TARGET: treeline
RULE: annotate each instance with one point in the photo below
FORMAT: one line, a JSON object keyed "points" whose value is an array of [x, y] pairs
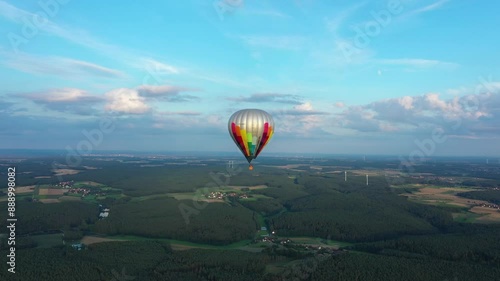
{"points": [[360, 266], [214, 223], [266, 207], [468, 243], [152, 260], [356, 213], [140, 261], [135, 180], [105, 261], [492, 196], [39, 217]]}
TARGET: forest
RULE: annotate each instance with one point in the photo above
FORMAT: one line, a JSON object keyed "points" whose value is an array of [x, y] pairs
{"points": [[383, 235]]}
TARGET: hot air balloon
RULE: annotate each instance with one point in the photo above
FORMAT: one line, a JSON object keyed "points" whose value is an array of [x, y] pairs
{"points": [[251, 130]]}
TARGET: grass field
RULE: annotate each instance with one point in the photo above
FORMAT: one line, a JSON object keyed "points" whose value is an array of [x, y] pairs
{"points": [[319, 242], [69, 198], [49, 200], [175, 244]]}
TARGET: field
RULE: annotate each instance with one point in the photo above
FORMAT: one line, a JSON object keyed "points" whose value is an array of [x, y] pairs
{"points": [[49, 200], [175, 244], [52, 191], [88, 240], [446, 196], [152, 211], [69, 198], [65, 172], [25, 189], [319, 242], [487, 215], [89, 183]]}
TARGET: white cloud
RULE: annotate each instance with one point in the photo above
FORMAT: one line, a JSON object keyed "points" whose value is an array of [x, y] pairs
{"points": [[56, 65], [307, 106], [126, 101], [406, 102], [302, 119], [158, 90], [463, 115], [430, 7], [62, 95], [157, 67]]}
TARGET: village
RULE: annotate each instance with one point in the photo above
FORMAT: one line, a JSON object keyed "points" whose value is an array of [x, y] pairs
{"points": [[83, 191], [286, 243], [222, 195], [485, 205]]}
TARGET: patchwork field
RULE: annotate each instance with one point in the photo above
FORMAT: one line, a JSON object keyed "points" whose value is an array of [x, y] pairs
{"points": [[447, 196], [52, 191], [25, 189]]}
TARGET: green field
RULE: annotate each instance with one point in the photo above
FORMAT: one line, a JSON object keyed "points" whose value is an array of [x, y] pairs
{"points": [[174, 242]]}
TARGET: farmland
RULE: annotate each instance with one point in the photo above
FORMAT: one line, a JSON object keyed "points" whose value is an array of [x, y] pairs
{"points": [[283, 216]]}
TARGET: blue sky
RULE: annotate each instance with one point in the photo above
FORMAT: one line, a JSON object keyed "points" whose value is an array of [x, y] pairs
{"points": [[370, 77]]}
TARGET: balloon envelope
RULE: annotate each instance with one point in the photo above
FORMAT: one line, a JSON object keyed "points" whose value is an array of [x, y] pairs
{"points": [[251, 130]]}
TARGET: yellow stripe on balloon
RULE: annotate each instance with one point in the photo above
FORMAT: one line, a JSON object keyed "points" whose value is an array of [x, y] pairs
{"points": [[244, 138]]}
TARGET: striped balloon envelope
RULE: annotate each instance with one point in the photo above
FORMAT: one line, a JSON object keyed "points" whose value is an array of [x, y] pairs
{"points": [[251, 130]]}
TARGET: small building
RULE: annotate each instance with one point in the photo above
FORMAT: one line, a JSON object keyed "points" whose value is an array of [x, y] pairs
{"points": [[77, 246]]}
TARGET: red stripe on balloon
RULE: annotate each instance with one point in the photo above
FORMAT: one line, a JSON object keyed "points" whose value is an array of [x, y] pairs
{"points": [[264, 138], [237, 135]]}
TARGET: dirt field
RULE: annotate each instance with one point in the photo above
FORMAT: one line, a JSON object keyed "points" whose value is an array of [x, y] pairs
{"points": [[52, 191], [364, 172], [25, 189], [48, 201], [447, 195], [88, 240], [63, 172], [489, 214], [443, 195]]}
